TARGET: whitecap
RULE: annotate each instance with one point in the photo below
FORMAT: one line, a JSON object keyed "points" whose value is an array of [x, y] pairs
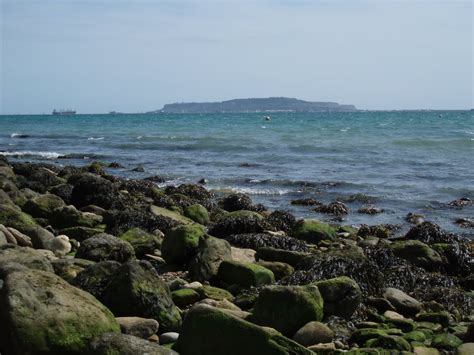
{"points": [[263, 127], [95, 138], [252, 191], [18, 135], [139, 137], [46, 155]]}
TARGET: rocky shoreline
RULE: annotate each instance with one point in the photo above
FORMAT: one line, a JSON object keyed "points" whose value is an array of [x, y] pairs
{"points": [[91, 263]]}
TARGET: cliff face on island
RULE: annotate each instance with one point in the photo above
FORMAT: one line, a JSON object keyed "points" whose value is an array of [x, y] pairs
{"points": [[271, 104]]}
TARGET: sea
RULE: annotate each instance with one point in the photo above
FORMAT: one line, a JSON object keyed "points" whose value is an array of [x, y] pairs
{"points": [[399, 161]]}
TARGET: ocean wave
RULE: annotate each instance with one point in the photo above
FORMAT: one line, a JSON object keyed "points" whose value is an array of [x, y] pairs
{"points": [[252, 191], [83, 156], [95, 138], [19, 135], [44, 155]]}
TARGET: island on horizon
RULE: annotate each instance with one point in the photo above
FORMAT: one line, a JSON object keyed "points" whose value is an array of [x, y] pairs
{"points": [[270, 104]]}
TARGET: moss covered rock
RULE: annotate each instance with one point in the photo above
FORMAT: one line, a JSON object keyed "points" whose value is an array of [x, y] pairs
{"points": [[207, 330], [180, 243], [341, 295], [288, 308], [292, 258], [141, 241], [314, 231], [446, 341], [279, 269], [136, 290], [391, 342], [41, 313], [198, 213], [360, 336], [174, 216], [95, 278], [69, 216], [244, 275], [215, 293]]}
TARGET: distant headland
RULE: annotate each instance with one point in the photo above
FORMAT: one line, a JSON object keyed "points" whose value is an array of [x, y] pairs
{"points": [[271, 104]]}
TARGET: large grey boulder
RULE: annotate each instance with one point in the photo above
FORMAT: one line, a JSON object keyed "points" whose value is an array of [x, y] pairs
{"points": [[210, 253], [104, 246]]}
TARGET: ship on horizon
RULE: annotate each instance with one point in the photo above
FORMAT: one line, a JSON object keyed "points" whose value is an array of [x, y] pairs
{"points": [[64, 112]]}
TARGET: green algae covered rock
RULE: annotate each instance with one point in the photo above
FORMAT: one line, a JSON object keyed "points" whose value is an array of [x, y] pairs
{"points": [[11, 216], [42, 205], [209, 255], [289, 257], [141, 241], [180, 243], [418, 253], [446, 341], [42, 313], [279, 269], [95, 278], [136, 290], [175, 216], [244, 275], [360, 336], [105, 247], [185, 296], [391, 342], [288, 308], [207, 330], [434, 317], [69, 216], [198, 213], [215, 293], [341, 295], [314, 231]]}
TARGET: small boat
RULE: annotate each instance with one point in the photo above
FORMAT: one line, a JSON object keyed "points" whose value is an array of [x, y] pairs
{"points": [[267, 118], [64, 112]]}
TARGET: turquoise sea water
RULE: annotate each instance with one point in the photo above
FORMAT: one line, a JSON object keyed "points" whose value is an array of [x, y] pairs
{"points": [[407, 161]]}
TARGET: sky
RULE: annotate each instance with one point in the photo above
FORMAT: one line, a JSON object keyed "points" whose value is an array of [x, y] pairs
{"points": [[98, 56]]}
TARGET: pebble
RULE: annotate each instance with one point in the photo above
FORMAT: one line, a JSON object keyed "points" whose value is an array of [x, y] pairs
{"points": [[169, 337]]}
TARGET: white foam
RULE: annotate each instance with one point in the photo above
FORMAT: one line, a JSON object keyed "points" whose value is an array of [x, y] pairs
{"points": [[13, 135], [95, 138], [251, 191], [46, 155]]}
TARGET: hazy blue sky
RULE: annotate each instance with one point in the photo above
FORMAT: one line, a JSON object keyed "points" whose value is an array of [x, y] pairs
{"points": [[103, 55]]}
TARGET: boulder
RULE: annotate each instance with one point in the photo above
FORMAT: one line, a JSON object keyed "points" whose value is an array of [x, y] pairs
{"points": [[175, 217], [465, 349], [391, 342], [90, 189], [288, 308], [136, 290], [244, 275], [105, 247], [124, 344], [198, 213], [168, 338], [446, 341], [442, 317], [292, 258], [209, 255], [243, 255], [95, 278], [418, 253], [181, 243], [185, 296], [232, 336], [18, 237], [139, 327], [81, 233], [279, 269], [313, 333], [214, 293], [341, 295], [28, 257], [69, 216], [313, 231], [403, 303], [59, 245], [42, 205], [360, 336], [238, 202], [41, 313], [141, 241], [69, 268]]}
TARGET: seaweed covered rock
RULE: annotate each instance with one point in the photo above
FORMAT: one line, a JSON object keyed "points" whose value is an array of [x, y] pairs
{"points": [[105, 247], [181, 243], [41, 313], [124, 344], [38, 177], [209, 255], [239, 202], [90, 189], [429, 233], [402, 302], [95, 278], [25, 256], [239, 222], [336, 208], [236, 336], [141, 241], [198, 213], [262, 240], [288, 308], [120, 221], [292, 258], [282, 220], [136, 290], [43, 205], [244, 275], [313, 231], [313, 333], [194, 191], [418, 253]]}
